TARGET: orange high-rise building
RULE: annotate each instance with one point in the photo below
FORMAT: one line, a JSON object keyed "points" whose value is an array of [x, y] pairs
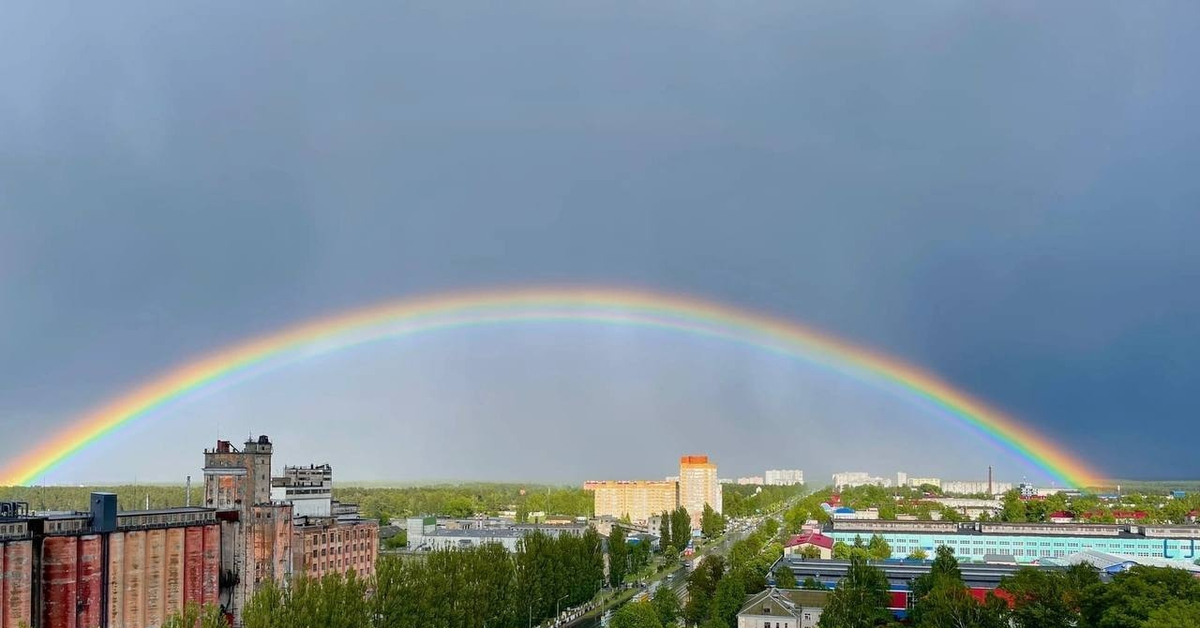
{"points": [[698, 486]]}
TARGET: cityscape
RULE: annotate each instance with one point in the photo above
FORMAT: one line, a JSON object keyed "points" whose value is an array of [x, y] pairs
{"points": [[599, 315]]}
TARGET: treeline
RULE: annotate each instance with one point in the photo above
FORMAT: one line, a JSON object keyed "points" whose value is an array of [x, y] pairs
{"points": [[465, 500], [129, 497], [453, 588], [1143, 597], [717, 587], [457, 500], [744, 500]]}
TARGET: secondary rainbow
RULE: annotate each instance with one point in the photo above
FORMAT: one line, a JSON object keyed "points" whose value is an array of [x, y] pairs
{"points": [[594, 306]]}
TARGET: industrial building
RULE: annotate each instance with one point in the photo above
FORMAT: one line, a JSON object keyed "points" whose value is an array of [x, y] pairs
{"points": [[424, 534], [105, 568], [1026, 542], [328, 537], [256, 534]]}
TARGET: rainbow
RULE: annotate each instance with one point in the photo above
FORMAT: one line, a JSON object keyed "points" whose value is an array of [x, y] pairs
{"points": [[599, 306]]}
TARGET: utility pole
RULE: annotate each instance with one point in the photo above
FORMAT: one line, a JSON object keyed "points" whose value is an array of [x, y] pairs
{"points": [[558, 613]]}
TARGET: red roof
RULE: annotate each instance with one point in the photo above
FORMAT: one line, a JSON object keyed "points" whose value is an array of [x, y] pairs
{"points": [[810, 538], [1061, 514], [834, 500]]}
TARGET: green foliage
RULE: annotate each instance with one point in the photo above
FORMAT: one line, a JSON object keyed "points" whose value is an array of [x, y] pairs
{"points": [[878, 548], [618, 556], [193, 616], [664, 533], [810, 552], [1047, 599], [812, 584], [745, 500], [1014, 507], [398, 541], [918, 554], [784, 577], [1133, 596], [702, 587], [1175, 614], [943, 600], [666, 604], [860, 599], [712, 523], [731, 593], [681, 528], [636, 615], [331, 602]]}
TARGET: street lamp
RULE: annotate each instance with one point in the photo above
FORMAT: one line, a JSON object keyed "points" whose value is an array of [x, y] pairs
{"points": [[556, 611], [531, 602]]}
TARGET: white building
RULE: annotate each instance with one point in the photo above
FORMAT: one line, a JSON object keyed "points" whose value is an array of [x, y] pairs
{"points": [[424, 534], [783, 477], [754, 480], [918, 482], [901, 478], [975, 487], [786, 608], [858, 478], [309, 489]]}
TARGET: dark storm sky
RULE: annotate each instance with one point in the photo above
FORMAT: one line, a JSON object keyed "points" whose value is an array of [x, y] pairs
{"points": [[1004, 193]]}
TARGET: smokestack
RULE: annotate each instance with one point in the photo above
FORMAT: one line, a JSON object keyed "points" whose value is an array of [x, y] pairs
{"points": [[990, 491], [188, 499]]}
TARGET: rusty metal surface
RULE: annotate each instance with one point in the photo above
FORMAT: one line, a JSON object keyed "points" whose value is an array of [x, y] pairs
{"points": [[58, 581], [210, 575], [173, 571], [16, 602], [116, 580], [133, 596], [90, 582], [155, 586]]}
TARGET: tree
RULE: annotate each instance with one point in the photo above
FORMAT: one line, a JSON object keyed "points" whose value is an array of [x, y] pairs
{"points": [[784, 577], [702, 586], [1175, 614], [666, 604], [918, 554], [878, 548], [636, 615], [1014, 507], [943, 600], [860, 599], [1133, 595], [196, 616], [1048, 599], [664, 532], [812, 584], [712, 524], [618, 556], [681, 528], [730, 594]]}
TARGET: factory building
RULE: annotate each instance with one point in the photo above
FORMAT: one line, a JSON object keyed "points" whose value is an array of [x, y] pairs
{"points": [[256, 534], [1025, 542], [104, 568], [328, 537]]}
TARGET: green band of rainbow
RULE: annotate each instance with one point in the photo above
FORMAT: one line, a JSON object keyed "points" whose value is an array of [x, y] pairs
{"points": [[604, 306]]}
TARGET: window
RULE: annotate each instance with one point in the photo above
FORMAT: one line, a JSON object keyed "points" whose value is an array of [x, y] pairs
{"points": [[766, 624], [767, 611]]}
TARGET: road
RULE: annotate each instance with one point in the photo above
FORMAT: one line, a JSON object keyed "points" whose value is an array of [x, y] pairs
{"points": [[677, 580]]}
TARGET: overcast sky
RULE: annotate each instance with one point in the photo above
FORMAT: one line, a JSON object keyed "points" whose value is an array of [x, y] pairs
{"points": [[1004, 193]]}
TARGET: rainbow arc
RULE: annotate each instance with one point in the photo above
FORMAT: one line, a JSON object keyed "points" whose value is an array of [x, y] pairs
{"points": [[408, 317]]}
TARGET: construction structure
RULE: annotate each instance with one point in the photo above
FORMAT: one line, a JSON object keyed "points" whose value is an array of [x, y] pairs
{"points": [[328, 537], [105, 568], [256, 534]]}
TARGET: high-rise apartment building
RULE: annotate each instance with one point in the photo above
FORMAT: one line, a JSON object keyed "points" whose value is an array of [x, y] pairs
{"points": [[901, 478], [698, 486], [783, 477], [637, 499], [858, 478]]}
